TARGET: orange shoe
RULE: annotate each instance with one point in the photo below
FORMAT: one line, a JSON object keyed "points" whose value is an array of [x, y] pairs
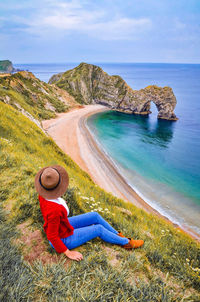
{"points": [[133, 244], [120, 234]]}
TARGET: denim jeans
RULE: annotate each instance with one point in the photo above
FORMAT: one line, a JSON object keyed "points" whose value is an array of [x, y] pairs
{"points": [[89, 226]]}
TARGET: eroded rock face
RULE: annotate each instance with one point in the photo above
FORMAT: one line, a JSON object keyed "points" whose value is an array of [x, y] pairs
{"points": [[89, 84], [163, 98]]}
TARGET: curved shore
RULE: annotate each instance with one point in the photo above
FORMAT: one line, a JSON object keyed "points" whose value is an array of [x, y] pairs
{"points": [[71, 134]]}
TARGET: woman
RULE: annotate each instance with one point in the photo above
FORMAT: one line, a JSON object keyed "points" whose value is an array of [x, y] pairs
{"points": [[66, 233]]}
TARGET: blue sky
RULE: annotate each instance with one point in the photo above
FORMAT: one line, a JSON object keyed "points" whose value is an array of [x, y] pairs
{"points": [[100, 31]]}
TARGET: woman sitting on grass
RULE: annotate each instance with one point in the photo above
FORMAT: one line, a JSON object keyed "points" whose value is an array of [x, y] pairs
{"points": [[66, 233]]}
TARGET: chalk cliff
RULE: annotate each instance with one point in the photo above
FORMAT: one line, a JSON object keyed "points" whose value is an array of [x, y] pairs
{"points": [[89, 84]]}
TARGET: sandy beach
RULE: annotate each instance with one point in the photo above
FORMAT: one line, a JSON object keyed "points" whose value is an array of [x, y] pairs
{"points": [[71, 134]]}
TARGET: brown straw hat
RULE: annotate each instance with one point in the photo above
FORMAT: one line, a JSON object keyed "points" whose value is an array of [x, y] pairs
{"points": [[51, 182]]}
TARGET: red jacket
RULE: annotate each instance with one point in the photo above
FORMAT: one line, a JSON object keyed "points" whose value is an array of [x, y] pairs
{"points": [[56, 223]]}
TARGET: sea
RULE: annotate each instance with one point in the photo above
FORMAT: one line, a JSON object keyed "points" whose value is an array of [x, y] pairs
{"points": [[160, 159]]}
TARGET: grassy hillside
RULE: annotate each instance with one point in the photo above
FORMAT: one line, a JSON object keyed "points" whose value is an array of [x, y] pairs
{"points": [[26, 93], [165, 269]]}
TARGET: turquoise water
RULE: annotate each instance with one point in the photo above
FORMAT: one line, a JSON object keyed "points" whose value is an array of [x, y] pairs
{"points": [[153, 148], [160, 162], [160, 159]]}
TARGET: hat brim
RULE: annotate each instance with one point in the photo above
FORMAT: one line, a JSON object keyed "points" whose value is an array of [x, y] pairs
{"points": [[59, 190]]}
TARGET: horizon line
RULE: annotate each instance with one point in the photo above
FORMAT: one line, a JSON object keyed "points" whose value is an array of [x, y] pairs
{"points": [[107, 62]]}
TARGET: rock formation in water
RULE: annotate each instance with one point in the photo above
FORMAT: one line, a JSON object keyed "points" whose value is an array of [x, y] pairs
{"points": [[89, 84]]}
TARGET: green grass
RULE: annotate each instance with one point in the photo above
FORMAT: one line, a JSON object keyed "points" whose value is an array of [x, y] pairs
{"points": [[31, 94], [165, 269]]}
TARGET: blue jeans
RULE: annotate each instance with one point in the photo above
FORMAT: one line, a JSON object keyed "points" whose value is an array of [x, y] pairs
{"points": [[89, 226]]}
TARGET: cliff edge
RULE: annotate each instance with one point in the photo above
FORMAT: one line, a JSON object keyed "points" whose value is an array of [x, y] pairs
{"points": [[89, 84]]}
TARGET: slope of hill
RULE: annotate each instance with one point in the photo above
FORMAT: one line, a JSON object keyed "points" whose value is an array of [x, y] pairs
{"points": [[165, 269], [33, 97]]}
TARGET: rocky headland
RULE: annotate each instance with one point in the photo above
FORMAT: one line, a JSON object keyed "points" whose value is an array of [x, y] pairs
{"points": [[89, 84], [6, 66]]}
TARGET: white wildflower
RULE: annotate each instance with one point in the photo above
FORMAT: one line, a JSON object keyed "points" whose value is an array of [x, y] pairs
{"points": [[196, 269], [84, 197], [4, 139]]}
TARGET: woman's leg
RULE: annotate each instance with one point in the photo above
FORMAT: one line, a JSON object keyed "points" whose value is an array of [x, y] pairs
{"points": [[90, 218], [84, 234]]}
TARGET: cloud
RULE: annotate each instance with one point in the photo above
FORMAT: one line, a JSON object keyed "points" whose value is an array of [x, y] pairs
{"points": [[66, 18], [121, 28]]}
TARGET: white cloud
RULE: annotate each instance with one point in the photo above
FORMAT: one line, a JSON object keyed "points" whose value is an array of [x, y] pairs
{"points": [[71, 17], [121, 28]]}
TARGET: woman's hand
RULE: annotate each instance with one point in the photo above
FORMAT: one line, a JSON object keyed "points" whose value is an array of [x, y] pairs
{"points": [[74, 255]]}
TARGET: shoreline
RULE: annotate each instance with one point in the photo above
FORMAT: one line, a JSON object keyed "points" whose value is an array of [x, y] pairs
{"points": [[71, 134]]}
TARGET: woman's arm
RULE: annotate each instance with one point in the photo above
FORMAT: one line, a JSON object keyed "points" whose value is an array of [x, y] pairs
{"points": [[52, 236]]}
